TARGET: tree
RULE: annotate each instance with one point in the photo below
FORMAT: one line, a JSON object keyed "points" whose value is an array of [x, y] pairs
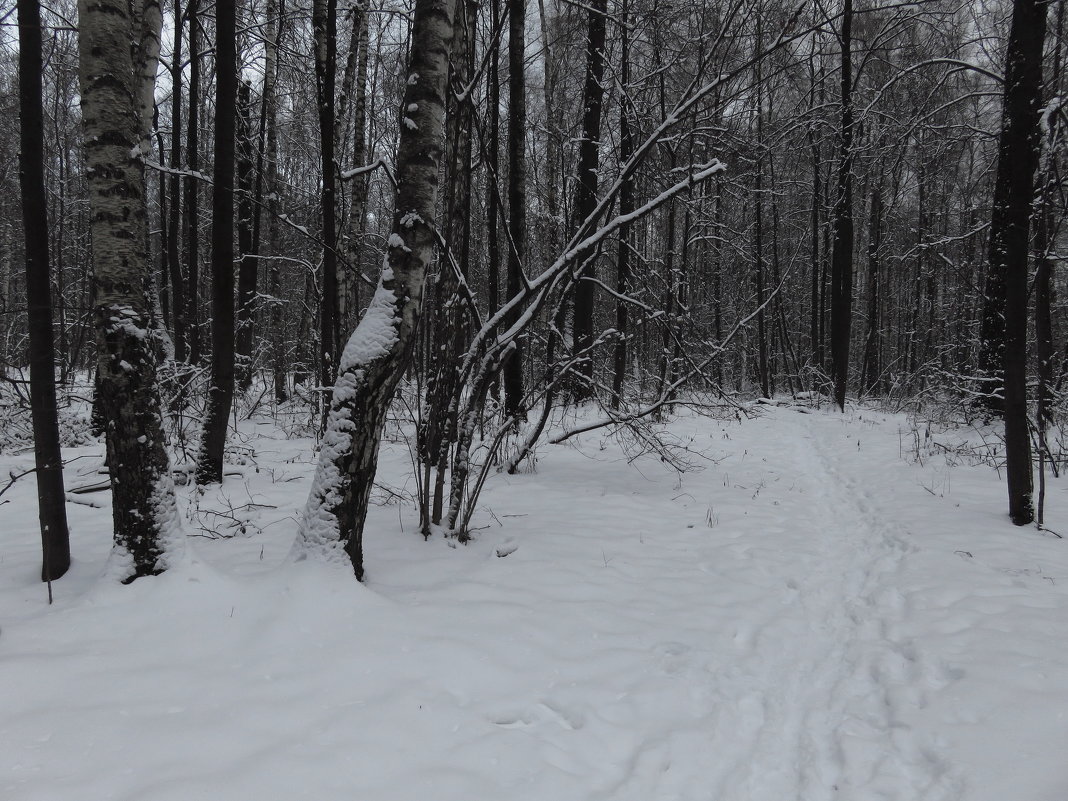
{"points": [[324, 24], [248, 261], [380, 349], [174, 237], [51, 500], [586, 187], [192, 188], [517, 194], [221, 391], [842, 249], [147, 531], [1019, 145]]}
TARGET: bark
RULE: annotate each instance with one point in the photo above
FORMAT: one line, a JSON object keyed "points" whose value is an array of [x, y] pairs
{"points": [[626, 207], [1019, 145], [586, 190], [758, 234], [493, 91], [324, 25], [349, 280], [248, 261], [174, 236], [517, 196], [273, 38], [192, 189], [48, 460], [870, 370], [450, 323], [815, 324], [380, 349], [1045, 222], [221, 391], [146, 527], [842, 248]]}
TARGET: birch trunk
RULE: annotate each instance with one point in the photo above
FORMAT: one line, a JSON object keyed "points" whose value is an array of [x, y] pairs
{"points": [[147, 532], [381, 347]]}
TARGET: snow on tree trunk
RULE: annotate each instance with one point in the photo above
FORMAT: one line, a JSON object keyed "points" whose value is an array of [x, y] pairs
{"points": [[378, 351], [147, 531]]}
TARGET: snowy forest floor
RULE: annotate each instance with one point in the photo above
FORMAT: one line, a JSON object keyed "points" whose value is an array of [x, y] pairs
{"points": [[815, 614]]}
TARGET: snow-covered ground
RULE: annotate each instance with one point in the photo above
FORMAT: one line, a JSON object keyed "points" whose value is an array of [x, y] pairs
{"points": [[810, 616]]}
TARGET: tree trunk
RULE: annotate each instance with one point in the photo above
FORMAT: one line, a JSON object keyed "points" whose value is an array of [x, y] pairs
{"points": [[324, 24], [275, 16], [586, 189], [248, 261], [493, 145], [221, 391], [48, 460], [147, 531], [192, 189], [626, 206], [842, 249], [174, 234], [870, 370], [517, 196], [349, 303], [1018, 154], [380, 349]]}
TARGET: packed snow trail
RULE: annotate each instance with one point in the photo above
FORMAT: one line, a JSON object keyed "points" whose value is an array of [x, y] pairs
{"points": [[807, 618]]}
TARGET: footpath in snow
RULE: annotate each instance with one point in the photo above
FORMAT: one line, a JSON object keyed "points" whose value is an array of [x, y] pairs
{"points": [[808, 617]]}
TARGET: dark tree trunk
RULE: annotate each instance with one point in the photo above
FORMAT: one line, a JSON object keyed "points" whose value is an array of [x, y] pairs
{"points": [[248, 264], [517, 196], [1044, 294], [493, 145], [192, 190], [586, 189], [758, 235], [350, 293], [815, 327], [48, 460], [1018, 154], [869, 373], [324, 23], [174, 233], [221, 391], [842, 251], [626, 206], [275, 18]]}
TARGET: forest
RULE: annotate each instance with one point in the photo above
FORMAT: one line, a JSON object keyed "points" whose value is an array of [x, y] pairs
{"points": [[497, 286]]}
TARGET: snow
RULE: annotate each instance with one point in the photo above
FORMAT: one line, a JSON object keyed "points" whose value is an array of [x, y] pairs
{"points": [[813, 615]]}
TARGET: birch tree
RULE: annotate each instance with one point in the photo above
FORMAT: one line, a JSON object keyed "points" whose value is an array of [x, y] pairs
{"points": [[112, 75], [377, 353]]}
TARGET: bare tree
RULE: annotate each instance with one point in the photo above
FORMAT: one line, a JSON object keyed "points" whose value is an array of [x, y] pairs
{"points": [[221, 390], [1019, 146], [842, 253], [51, 500]]}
